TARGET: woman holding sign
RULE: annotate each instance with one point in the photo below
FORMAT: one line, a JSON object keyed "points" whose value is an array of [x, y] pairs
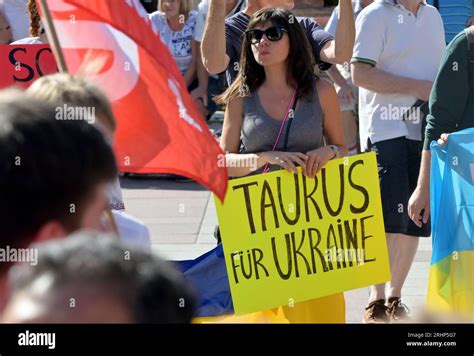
{"points": [[279, 115]]}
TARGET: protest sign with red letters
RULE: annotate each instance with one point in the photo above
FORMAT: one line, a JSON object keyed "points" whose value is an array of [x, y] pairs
{"points": [[23, 64]]}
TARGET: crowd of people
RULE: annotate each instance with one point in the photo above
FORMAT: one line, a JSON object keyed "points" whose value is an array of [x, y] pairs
{"points": [[295, 94]]}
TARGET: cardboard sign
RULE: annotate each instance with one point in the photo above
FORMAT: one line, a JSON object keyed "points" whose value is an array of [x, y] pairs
{"points": [[288, 238]]}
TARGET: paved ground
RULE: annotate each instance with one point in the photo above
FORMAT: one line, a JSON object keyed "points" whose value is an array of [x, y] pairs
{"points": [[181, 218]]}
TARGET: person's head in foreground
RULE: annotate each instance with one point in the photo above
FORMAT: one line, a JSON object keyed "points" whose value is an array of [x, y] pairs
{"points": [[93, 278], [78, 92], [274, 44], [53, 173]]}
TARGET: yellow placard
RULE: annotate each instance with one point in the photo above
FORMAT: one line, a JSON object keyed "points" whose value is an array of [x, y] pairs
{"points": [[288, 238]]}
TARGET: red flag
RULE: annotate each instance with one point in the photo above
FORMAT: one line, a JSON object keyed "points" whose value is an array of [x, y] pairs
{"points": [[159, 129]]}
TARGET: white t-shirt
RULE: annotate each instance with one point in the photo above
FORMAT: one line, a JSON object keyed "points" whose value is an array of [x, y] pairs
{"points": [[131, 230], [178, 42], [28, 40], [16, 13], [396, 41]]}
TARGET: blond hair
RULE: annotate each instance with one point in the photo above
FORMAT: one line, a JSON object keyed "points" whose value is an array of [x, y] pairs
{"points": [[184, 7], [76, 91]]}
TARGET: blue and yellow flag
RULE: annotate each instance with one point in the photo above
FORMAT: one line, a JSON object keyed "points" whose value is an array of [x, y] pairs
{"points": [[451, 283], [207, 274]]}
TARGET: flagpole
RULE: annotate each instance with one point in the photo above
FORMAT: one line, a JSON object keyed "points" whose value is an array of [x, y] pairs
{"points": [[53, 37]]}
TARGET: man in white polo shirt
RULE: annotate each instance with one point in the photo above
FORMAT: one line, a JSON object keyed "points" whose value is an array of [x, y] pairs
{"points": [[397, 52]]}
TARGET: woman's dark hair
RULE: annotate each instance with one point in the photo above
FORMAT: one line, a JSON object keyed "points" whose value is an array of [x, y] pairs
{"points": [[300, 61]]}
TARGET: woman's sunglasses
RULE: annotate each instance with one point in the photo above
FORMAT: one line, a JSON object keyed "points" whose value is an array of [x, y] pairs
{"points": [[273, 34]]}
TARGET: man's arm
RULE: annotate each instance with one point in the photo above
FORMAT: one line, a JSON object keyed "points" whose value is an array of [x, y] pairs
{"points": [[344, 90], [339, 50], [450, 92], [336, 76], [371, 78], [213, 46], [447, 104], [368, 49], [420, 199]]}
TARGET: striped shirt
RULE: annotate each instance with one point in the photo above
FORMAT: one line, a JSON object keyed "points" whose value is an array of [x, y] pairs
{"points": [[455, 15]]}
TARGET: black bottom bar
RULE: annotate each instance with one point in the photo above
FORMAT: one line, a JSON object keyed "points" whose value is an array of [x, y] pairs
{"points": [[141, 339]]}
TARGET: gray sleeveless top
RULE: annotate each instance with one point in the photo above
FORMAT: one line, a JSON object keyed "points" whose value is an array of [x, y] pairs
{"points": [[259, 130]]}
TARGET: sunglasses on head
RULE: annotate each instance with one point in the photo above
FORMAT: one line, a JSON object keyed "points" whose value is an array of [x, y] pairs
{"points": [[273, 34]]}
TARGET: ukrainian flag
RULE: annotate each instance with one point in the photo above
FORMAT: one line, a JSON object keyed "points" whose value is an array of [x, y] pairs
{"points": [[207, 275], [451, 282]]}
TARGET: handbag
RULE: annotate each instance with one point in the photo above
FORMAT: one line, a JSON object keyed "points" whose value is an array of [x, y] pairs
{"points": [[287, 119]]}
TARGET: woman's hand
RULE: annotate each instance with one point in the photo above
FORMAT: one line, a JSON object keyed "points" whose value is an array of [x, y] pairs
{"points": [[200, 99], [200, 93], [286, 160], [317, 159]]}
